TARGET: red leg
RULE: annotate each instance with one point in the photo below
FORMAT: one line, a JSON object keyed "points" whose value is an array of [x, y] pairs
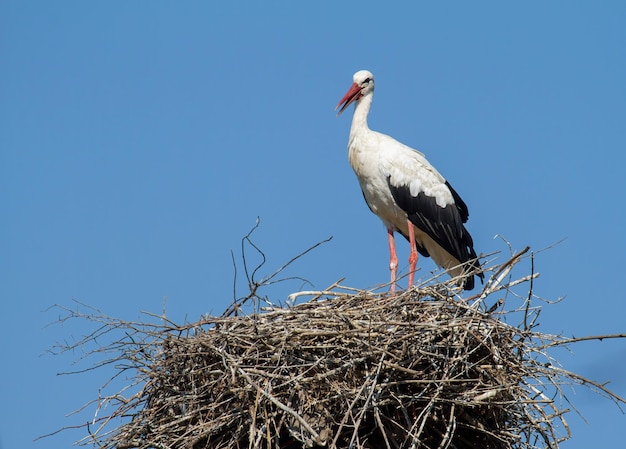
{"points": [[413, 256], [393, 259]]}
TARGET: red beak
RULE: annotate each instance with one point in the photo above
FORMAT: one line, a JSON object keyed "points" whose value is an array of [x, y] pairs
{"points": [[353, 94]]}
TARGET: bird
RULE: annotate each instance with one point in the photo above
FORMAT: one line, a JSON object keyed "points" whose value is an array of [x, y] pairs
{"points": [[408, 194]]}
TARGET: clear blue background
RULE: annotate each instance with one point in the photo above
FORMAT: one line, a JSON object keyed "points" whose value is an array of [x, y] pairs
{"points": [[140, 141]]}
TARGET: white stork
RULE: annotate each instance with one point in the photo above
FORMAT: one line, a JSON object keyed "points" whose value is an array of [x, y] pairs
{"points": [[408, 194]]}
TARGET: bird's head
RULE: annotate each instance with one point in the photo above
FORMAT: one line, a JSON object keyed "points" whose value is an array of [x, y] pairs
{"points": [[363, 84]]}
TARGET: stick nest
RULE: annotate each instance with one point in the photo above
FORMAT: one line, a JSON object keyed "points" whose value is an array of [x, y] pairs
{"points": [[418, 369], [415, 370]]}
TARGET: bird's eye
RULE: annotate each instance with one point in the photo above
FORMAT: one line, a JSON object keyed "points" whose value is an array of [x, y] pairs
{"points": [[367, 80]]}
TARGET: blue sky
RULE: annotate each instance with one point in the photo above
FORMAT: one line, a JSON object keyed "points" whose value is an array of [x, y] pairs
{"points": [[140, 141]]}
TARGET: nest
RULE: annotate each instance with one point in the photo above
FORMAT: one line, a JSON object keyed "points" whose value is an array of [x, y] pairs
{"points": [[415, 370], [418, 369]]}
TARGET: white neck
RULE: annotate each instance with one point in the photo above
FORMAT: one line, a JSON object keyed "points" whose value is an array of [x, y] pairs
{"points": [[361, 110]]}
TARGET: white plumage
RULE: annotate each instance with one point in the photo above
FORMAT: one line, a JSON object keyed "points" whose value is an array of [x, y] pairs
{"points": [[408, 194]]}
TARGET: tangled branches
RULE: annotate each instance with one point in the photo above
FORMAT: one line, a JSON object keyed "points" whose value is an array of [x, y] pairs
{"points": [[348, 369]]}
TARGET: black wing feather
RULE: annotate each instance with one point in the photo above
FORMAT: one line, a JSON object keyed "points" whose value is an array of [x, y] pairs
{"points": [[443, 224], [459, 203]]}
